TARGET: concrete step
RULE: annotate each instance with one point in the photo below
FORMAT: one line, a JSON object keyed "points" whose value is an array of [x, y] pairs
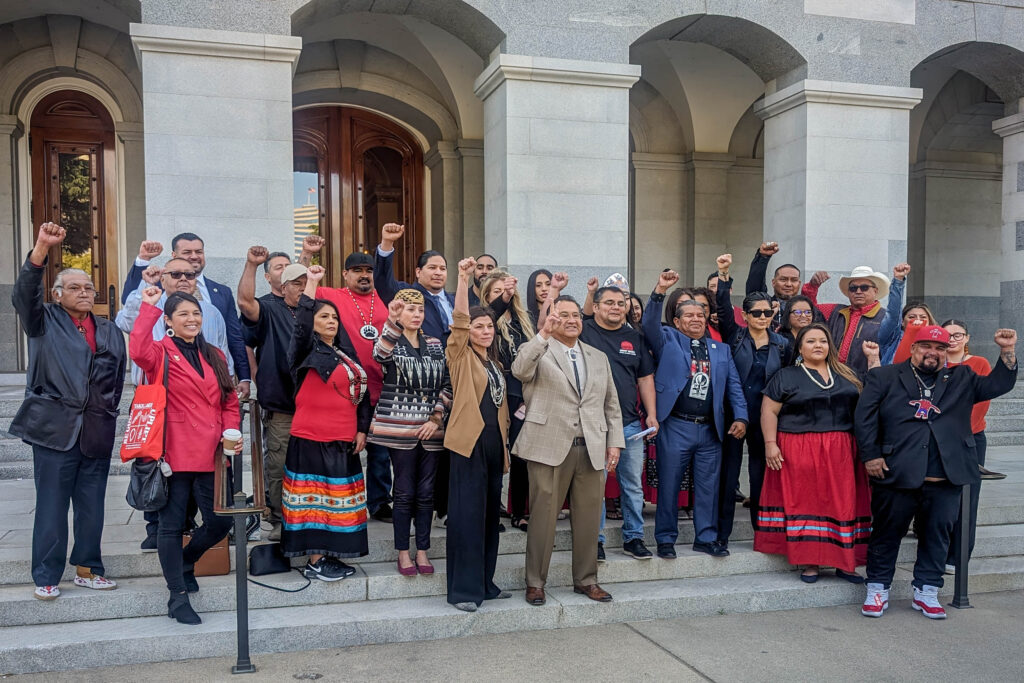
{"points": [[109, 642], [1005, 439], [1006, 406], [1001, 424]]}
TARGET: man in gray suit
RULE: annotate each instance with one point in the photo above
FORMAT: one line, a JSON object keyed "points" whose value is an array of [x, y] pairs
{"points": [[571, 433]]}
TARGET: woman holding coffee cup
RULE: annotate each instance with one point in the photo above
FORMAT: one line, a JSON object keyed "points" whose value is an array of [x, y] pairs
{"points": [[323, 497], [201, 405]]}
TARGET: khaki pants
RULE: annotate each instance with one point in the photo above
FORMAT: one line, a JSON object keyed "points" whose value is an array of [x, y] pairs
{"points": [[277, 427], [548, 487]]}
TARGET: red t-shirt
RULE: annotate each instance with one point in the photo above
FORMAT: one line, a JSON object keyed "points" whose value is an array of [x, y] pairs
{"points": [[357, 310], [981, 367], [324, 412]]}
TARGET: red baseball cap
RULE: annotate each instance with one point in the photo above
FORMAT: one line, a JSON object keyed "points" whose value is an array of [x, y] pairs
{"points": [[932, 333]]}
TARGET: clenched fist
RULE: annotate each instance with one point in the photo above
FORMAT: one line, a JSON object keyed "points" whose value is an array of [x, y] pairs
{"points": [[312, 244], [150, 249], [389, 234], [768, 248], [257, 255], [666, 280], [901, 270]]}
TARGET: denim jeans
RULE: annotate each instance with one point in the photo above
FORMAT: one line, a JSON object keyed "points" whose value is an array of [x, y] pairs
{"points": [[630, 475]]}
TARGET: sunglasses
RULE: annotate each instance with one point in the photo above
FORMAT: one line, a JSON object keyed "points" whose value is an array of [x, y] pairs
{"points": [[761, 313], [179, 274], [859, 288]]}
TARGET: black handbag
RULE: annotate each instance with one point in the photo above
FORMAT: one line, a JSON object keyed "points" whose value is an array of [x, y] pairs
{"points": [[268, 558], [147, 487]]}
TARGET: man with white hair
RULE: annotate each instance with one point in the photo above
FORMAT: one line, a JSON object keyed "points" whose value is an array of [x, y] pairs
{"points": [[76, 364], [859, 322]]}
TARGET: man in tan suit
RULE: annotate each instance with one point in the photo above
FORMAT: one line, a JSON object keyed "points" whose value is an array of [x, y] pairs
{"points": [[572, 431]]}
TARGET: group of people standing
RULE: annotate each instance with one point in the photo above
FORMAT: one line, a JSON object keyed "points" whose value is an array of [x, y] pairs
{"points": [[448, 393]]}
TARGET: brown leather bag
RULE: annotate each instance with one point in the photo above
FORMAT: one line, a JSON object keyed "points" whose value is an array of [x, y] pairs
{"points": [[216, 561]]}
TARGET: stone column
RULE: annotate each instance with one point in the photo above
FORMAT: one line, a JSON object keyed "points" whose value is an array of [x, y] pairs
{"points": [[556, 164], [11, 258], [1011, 287], [661, 236], [445, 199], [218, 139], [134, 158], [471, 153], [836, 175], [709, 211]]}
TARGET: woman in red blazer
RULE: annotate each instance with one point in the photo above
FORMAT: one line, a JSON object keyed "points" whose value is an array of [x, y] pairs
{"points": [[201, 404]]}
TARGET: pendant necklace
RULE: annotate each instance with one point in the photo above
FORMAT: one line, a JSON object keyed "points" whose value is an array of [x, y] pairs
{"points": [[367, 331], [926, 391], [828, 385]]}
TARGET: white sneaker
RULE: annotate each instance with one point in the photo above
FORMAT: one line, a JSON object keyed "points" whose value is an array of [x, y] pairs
{"points": [[950, 569], [47, 592], [926, 601], [876, 602], [100, 583]]}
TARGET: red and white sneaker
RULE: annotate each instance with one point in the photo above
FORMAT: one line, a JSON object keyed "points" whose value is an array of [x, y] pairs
{"points": [[926, 601], [46, 592], [96, 582], [876, 602]]}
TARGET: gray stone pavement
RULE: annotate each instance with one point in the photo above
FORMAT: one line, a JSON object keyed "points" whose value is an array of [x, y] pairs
{"points": [[821, 644]]}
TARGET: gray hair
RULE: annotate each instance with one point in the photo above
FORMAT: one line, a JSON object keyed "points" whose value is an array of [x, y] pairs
{"points": [[59, 280]]}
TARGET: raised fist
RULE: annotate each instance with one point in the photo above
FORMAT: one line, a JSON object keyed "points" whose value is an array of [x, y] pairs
{"points": [[151, 295], [395, 309], [871, 351], [151, 275], [1006, 339], [312, 244], [559, 281], [150, 249], [315, 274], [768, 248], [257, 255], [901, 270], [666, 280], [509, 285], [820, 277], [50, 235], [391, 233], [724, 262], [592, 285], [467, 266]]}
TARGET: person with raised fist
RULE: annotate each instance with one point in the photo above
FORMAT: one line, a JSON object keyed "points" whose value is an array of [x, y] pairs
{"points": [[76, 363], [915, 438], [785, 281], [693, 377]]}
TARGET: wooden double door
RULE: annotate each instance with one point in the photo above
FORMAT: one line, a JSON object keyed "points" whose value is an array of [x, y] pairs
{"points": [[354, 171], [74, 184]]}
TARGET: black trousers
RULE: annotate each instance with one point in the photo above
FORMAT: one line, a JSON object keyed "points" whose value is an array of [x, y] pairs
{"points": [[175, 560], [935, 504], [413, 493], [518, 473], [474, 505], [63, 478], [981, 443], [732, 464]]}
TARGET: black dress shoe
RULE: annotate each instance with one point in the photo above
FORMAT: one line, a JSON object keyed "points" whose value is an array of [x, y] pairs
{"points": [[383, 513], [714, 548], [667, 551], [600, 552], [148, 544], [636, 548]]}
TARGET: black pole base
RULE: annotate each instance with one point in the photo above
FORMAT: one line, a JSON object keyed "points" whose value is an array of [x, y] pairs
{"points": [[961, 604], [247, 668]]}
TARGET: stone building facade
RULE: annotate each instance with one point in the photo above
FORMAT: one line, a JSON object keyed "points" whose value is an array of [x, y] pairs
{"points": [[597, 136]]}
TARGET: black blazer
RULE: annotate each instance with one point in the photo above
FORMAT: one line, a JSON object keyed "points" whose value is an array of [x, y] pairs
{"points": [[742, 343], [885, 425], [71, 393], [387, 286]]}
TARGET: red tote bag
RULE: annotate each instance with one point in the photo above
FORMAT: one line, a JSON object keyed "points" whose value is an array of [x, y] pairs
{"points": [[144, 436]]}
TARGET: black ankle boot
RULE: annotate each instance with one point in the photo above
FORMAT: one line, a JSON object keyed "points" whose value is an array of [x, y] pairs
{"points": [[191, 585], [178, 607]]}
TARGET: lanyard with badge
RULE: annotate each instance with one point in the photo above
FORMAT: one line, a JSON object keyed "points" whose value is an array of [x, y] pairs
{"points": [[700, 374]]}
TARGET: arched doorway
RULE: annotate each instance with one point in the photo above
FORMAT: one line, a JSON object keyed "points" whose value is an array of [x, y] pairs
{"points": [[74, 184], [353, 172]]}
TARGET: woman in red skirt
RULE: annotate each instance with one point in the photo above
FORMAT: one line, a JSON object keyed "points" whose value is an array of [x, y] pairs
{"points": [[815, 504]]}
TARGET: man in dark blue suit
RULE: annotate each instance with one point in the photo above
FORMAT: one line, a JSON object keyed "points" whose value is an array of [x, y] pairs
{"points": [[431, 276], [190, 247], [693, 377]]}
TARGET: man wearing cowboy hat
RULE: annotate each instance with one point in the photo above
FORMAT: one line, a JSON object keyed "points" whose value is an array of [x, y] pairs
{"points": [[859, 322], [913, 429]]}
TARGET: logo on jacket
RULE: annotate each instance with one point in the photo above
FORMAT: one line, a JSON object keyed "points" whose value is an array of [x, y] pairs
{"points": [[626, 349], [924, 408]]}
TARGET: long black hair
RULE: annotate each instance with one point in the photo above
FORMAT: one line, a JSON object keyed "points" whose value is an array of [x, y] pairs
{"points": [[816, 316], [492, 350], [209, 352], [531, 295]]}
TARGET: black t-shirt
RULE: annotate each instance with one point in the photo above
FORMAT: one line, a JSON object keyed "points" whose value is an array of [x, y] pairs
{"points": [[806, 407], [755, 381], [699, 362], [935, 467], [628, 357], [270, 336]]}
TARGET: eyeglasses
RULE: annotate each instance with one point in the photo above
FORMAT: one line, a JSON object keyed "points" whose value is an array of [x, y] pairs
{"points": [[75, 290], [802, 314], [179, 274], [859, 288], [957, 336], [760, 313]]}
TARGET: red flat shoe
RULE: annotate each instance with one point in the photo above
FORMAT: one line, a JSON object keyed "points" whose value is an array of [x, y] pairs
{"points": [[425, 568], [405, 571]]}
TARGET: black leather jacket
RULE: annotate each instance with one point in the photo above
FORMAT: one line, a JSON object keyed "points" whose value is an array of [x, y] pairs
{"points": [[71, 393]]}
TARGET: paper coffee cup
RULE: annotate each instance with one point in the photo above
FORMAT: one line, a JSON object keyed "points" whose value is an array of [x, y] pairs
{"points": [[230, 437]]}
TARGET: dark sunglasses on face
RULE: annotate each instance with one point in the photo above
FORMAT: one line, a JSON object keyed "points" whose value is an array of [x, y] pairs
{"points": [[859, 288], [178, 274], [761, 313]]}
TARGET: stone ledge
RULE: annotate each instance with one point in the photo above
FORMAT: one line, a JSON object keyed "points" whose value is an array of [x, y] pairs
{"points": [[214, 43], [552, 70], [836, 92]]}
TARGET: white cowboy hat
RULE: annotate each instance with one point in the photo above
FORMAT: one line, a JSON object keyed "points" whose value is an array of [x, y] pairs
{"points": [[866, 273]]}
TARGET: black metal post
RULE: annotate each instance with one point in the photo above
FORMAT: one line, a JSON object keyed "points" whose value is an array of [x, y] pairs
{"points": [[960, 598], [243, 665]]}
